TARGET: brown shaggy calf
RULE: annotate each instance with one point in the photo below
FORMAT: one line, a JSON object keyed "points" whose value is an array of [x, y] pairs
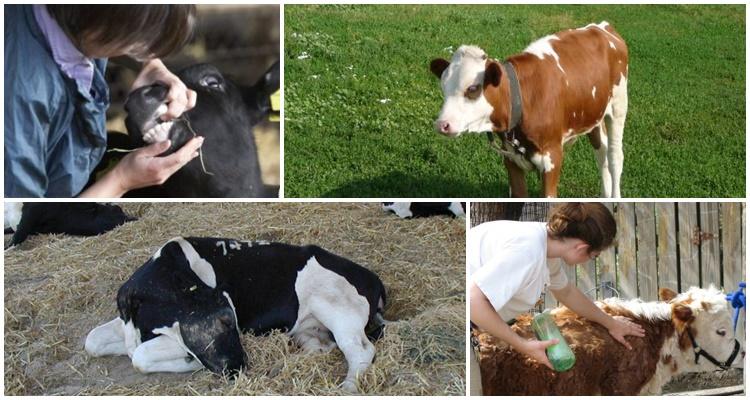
{"points": [[603, 365]]}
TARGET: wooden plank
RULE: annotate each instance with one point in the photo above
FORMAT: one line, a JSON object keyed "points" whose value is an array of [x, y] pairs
{"points": [[731, 244], [549, 300], [687, 215], [587, 279], [710, 250], [627, 274], [666, 232], [646, 257], [606, 267], [722, 391]]}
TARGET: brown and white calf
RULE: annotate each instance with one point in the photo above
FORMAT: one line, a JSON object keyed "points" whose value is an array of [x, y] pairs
{"points": [[603, 365], [571, 83]]}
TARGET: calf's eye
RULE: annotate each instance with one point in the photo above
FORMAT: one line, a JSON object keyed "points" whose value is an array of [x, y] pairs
{"points": [[721, 332], [473, 91], [226, 320], [211, 81]]}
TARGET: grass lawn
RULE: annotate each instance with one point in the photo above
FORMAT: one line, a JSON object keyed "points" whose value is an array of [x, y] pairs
{"points": [[360, 100]]}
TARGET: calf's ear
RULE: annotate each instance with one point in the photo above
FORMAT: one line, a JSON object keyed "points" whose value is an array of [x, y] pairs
{"points": [[492, 74], [270, 81], [667, 294], [682, 315], [438, 65]]}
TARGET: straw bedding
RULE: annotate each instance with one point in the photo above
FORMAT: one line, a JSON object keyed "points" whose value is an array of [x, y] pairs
{"points": [[57, 288]]}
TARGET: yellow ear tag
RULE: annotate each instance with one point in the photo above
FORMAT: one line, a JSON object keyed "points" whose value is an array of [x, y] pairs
{"points": [[275, 106]]}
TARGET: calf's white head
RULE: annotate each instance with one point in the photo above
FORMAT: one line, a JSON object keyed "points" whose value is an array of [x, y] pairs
{"points": [[703, 322], [465, 108]]}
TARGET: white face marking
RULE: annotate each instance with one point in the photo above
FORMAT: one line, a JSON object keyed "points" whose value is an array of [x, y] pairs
{"points": [[157, 254], [201, 267], [543, 162], [231, 304], [461, 113], [401, 209], [543, 47]]}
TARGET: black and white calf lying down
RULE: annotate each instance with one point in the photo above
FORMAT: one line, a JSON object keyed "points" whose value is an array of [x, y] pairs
{"points": [[423, 209], [77, 219], [185, 307]]}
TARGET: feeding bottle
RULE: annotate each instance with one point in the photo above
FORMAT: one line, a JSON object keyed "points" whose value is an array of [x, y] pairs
{"points": [[560, 355]]}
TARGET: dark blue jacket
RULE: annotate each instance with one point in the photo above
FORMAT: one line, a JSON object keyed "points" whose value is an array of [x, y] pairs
{"points": [[55, 132]]}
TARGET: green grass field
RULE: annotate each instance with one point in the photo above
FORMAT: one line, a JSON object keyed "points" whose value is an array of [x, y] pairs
{"points": [[360, 100]]}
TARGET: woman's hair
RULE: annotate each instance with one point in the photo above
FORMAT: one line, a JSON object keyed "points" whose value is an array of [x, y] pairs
{"points": [[155, 30], [591, 222]]}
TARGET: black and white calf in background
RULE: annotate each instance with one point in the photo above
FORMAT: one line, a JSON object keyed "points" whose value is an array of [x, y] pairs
{"points": [[11, 216], [78, 219], [422, 209], [185, 307], [224, 114]]}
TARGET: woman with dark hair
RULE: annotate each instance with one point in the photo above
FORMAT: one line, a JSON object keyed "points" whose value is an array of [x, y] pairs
{"points": [[511, 263], [56, 96]]}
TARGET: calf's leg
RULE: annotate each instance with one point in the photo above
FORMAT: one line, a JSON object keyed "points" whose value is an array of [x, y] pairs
{"points": [[550, 166], [598, 139], [615, 129], [107, 339], [517, 178], [349, 332], [163, 354]]}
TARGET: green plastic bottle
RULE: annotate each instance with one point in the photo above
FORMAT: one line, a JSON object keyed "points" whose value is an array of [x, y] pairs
{"points": [[560, 355]]}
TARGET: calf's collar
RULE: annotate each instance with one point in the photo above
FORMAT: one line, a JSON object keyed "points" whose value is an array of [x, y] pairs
{"points": [[700, 352], [516, 108]]}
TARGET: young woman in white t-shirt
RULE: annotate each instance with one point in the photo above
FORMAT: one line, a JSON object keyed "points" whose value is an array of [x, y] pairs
{"points": [[511, 262]]}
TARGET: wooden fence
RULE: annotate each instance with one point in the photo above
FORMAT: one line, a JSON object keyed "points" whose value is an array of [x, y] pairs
{"points": [[672, 245]]}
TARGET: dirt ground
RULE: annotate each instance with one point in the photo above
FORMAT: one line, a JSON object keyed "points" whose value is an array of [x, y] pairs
{"points": [[58, 288], [704, 380]]}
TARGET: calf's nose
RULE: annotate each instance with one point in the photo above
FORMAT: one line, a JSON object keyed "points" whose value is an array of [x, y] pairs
{"points": [[146, 95], [443, 126]]}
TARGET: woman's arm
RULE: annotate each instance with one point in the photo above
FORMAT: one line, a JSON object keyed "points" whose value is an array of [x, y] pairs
{"points": [[485, 317], [143, 168], [618, 327]]}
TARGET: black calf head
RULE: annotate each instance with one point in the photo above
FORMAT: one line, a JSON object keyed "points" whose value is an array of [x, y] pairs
{"points": [[166, 290], [221, 107], [209, 329]]}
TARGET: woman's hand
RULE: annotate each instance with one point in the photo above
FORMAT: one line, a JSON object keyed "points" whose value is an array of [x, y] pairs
{"points": [[143, 168], [619, 327], [179, 98], [536, 349]]}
